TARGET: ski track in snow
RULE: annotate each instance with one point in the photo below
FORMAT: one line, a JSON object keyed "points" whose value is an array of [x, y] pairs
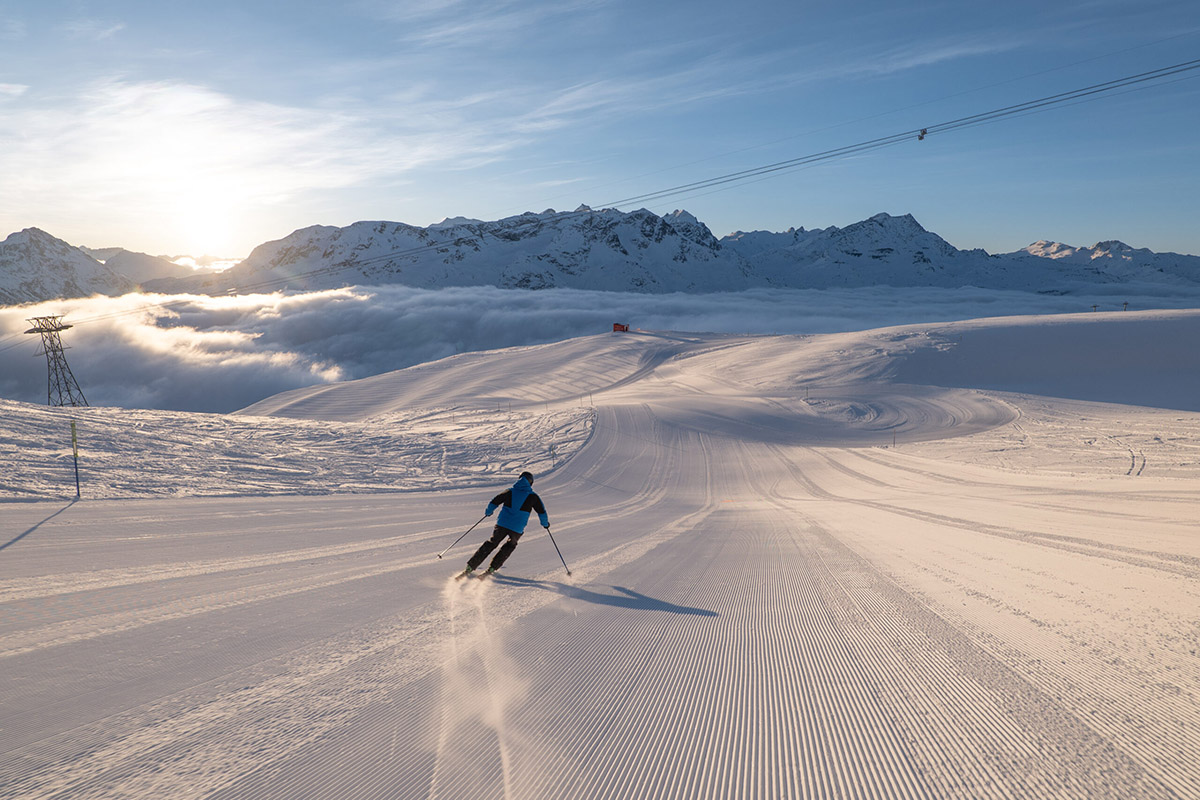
{"points": [[769, 598]]}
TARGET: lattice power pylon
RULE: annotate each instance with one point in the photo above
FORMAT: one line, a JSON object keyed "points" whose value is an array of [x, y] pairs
{"points": [[61, 387]]}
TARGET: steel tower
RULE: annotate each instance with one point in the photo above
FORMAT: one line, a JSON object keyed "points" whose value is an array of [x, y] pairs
{"points": [[61, 387]]}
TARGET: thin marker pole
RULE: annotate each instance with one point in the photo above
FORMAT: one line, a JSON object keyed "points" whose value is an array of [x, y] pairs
{"points": [[75, 450]]}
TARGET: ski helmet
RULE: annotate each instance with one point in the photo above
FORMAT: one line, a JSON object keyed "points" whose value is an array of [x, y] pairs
{"points": [[528, 476]]}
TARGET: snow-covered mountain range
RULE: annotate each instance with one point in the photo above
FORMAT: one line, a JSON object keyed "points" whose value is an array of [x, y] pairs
{"points": [[643, 252], [611, 250]]}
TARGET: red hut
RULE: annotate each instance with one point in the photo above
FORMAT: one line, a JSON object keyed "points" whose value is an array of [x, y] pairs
{"points": [[618, 327]]}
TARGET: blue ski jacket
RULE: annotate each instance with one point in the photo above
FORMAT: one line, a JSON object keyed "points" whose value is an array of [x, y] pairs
{"points": [[515, 505]]}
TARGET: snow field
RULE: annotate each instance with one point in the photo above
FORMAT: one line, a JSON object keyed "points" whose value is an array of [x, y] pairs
{"points": [[769, 599], [137, 454], [520, 377]]}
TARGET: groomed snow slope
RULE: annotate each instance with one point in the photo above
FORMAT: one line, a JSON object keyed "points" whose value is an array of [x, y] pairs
{"points": [[769, 599]]}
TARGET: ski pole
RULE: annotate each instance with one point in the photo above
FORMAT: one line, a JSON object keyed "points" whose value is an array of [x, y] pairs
{"points": [[459, 539], [560, 558]]}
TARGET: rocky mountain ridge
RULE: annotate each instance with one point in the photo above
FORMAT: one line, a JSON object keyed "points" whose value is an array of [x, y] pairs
{"points": [[640, 251], [611, 250]]}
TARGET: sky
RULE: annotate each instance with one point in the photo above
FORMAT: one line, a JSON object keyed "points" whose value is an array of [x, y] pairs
{"points": [[209, 128]]}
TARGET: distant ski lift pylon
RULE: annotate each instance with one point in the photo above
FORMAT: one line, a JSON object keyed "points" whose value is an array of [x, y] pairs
{"points": [[61, 387]]}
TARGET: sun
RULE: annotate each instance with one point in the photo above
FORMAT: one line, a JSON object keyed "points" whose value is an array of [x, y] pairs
{"points": [[204, 222]]}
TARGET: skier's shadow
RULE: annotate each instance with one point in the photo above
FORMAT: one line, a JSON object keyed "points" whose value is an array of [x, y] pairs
{"points": [[625, 598], [18, 538]]}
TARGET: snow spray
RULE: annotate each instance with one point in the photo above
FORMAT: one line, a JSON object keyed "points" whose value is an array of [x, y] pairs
{"points": [[480, 685]]}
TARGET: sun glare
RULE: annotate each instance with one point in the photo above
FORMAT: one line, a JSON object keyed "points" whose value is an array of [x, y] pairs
{"points": [[204, 224], [207, 262]]}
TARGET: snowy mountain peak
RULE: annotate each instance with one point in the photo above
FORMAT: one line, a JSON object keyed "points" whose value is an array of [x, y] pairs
{"points": [[904, 222], [452, 222], [35, 265], [884, 235], [679, 215], [1107, 251], [690, 227], [35, 237], [24, 235], [1047, 249]]}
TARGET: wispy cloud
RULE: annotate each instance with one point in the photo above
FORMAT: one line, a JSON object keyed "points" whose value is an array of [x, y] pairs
{"points": [[143, 143], [159, 151], [461, 24], [698, 72], [555, 184], [649, 88], [822, 65], [936, 52], [93, 30], [12, 90]]}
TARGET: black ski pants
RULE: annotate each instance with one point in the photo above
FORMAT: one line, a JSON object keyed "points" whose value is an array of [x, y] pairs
{"points": [[498, 535]]}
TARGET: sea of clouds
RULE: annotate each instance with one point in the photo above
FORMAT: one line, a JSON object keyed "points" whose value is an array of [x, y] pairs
{"points": [[219, 354]]}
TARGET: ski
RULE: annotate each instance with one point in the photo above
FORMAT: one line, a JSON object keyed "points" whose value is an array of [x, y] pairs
{"points": [[468, 572]]}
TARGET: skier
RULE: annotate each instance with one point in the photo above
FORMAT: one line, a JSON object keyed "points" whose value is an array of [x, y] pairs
{"points": [[515, 505]]}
